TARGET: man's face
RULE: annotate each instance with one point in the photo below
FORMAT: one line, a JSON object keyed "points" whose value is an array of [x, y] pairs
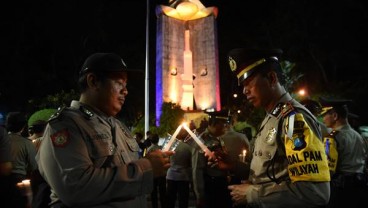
{"points": [[112, 93], [218, 128], [329, 118], [257, 89]]}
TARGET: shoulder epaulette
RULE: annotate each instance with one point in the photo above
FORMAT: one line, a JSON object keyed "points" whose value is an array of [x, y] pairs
{"points": [[333, 133], [287, 108], [56, 114], [86, 112], [282, 110]]}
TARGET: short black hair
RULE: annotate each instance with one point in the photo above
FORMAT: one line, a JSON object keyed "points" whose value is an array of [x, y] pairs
{"points": [[154, 138], [16, 121]]}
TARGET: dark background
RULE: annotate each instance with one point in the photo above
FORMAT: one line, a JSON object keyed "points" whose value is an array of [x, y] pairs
{"points": [[44, 43]]}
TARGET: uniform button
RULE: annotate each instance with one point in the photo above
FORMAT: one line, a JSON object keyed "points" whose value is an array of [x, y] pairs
{"points": [[255, 153], [260, 152]]}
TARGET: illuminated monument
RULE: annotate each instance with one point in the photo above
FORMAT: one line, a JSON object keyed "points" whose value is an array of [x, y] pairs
{"points": [[187, 70]]}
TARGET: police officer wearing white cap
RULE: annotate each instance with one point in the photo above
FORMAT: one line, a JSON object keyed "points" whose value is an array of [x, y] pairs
{"points": [[88, 157], [289, 166]]}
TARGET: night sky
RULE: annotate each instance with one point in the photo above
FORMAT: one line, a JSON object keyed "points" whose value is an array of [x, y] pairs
{"points": [[44, 43]]}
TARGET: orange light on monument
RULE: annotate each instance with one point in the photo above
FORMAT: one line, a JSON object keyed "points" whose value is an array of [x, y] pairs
{"points": [[187, 10]]}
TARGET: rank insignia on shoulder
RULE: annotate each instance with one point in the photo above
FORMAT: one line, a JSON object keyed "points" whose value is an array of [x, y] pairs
{"points": [[282, 109], [333, 134], [277, 110], [60, 138], [286, 109], [86, 111], [56, 114]]}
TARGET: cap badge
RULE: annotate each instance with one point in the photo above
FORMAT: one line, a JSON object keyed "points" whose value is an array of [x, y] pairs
{"points": [[232, 64]]}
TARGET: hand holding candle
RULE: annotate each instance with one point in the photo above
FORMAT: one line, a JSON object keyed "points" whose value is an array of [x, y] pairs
{"points": [[199, 142]]}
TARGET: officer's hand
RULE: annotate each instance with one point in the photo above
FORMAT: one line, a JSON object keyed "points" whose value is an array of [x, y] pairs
{"points": [[220, 160], [160, 161], [238, 193], [210, 156]]}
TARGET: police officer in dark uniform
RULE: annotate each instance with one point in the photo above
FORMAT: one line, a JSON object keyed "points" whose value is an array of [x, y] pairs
{"points": [[289, 166], [210, 181], [346, 154], [87, 156]]}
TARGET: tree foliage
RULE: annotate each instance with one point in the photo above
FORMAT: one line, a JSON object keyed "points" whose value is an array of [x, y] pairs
{"points": [[171, 117], [54, 101]]}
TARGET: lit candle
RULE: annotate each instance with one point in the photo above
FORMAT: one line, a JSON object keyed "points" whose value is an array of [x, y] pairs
{"points": [[242, 156], [198, 141], [172, 139]]}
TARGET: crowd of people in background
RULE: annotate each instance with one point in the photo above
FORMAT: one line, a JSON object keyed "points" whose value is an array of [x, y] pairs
{"points": [[304, 154]]}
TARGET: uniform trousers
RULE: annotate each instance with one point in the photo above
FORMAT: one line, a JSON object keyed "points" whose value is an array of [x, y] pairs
{"points": [[159, 192], [217, 194], [178, 190], [348, 191]]}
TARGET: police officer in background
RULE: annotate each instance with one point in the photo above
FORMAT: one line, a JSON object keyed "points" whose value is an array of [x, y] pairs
{"points": [[346, 154], [315, 108], [88, 157], [289, 166], [36, 126], [237, 146], [209, 180]]}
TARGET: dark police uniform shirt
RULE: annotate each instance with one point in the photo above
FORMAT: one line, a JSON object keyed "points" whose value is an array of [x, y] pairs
{"points": [[349, 157], [202, 171], [23, 155], [91, 160], [289, 166]]}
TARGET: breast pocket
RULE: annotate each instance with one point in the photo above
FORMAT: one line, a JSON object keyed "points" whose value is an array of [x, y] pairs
{"points": [[132, 145], [101, 146]]}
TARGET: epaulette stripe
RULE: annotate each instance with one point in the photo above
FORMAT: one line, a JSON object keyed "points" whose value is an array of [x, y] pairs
{"points": [[277, 110], [287, 108], [86, 112], [56, 114]]}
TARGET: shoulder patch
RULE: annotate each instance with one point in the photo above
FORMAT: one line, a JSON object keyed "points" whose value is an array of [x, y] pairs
{"points": [[60, 138]]}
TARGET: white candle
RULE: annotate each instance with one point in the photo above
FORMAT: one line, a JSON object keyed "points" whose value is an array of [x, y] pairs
{"points": [[172, 139], [198, 141], [244, 154]]}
